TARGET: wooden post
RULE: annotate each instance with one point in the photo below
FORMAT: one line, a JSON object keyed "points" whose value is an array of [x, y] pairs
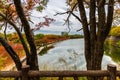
{"points": [[25, 70], [112, 71], [75, 78], [60, 78]]}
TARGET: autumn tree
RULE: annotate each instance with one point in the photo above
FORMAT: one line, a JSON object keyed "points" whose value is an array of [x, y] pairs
{"points": [[95, 28], [16, 14]]}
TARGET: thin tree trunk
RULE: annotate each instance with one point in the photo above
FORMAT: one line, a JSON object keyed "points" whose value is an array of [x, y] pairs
{"points": [[86, 33]]}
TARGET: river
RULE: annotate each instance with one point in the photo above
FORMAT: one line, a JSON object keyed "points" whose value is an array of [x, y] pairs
{"points": [[68, 55]]}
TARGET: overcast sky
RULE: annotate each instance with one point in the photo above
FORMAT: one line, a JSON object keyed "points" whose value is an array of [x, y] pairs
{"points": [[53, 7]]}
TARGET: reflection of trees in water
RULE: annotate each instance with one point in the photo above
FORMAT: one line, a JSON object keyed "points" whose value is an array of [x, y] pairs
{"points": [[112, 49], [73, 57]]}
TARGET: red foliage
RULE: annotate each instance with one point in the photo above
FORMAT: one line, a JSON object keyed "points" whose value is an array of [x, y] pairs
{"points": [[3, 53], [28, 5], [51, 39], [45, 23]]}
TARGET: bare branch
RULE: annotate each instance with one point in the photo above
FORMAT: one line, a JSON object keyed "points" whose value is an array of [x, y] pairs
{"points": [[62, 13], [101, 12], [80, 29], [5, 30], [76, 17], [109, 17], [85, 31], [70, 12]]}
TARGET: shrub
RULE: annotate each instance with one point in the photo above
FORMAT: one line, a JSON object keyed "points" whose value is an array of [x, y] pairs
{"points": [[51, 36], [39, 36], [115, 31], [75, 36]]}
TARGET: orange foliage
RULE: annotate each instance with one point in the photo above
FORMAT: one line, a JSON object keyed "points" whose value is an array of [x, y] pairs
{"points": [[30, 3], [7, 7], [3, 53], [12, 11], [51, 39]]}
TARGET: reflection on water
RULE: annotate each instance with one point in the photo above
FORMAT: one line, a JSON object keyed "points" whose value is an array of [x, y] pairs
{"points": [[112, 48], [67, 55]]}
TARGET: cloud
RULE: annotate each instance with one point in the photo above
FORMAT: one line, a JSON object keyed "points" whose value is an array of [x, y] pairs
{"points": [[53, 7]]}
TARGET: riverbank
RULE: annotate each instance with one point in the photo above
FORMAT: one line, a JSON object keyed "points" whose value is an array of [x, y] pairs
{"points": [[67, 54], [11, 65], [6, 60]]}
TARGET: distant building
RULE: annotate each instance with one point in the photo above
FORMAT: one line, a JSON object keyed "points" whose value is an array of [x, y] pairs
{"points": [[64, 33]]}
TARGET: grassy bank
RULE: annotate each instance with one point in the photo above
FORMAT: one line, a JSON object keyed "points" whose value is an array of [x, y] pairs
{"points": [[45, 49], [112, 48], [112, 44]]}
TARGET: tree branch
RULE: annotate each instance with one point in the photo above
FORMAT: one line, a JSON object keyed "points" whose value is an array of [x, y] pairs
{"points": [[101, 19], [93, 20], [12, 53], [76, 17], [62, 13], [70, 12], [109, 17], [85, 30], [80, 29]]}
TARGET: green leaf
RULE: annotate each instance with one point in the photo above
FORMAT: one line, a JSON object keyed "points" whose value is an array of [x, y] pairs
{"points": [[40, 8]]}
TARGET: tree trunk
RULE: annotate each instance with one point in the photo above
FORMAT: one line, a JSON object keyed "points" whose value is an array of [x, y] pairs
{"points": [[94, 39], [32, 59], [12, 53]]}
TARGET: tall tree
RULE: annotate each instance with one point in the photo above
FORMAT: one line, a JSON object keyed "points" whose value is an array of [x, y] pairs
{"points": [[13, 11], [96, 28]]}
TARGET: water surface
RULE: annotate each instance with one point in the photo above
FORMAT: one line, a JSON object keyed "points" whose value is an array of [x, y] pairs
{"points": [[67, 55]]}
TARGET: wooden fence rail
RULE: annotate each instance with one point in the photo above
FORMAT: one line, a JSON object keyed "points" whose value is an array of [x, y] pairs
{"points": [[111, 73]]}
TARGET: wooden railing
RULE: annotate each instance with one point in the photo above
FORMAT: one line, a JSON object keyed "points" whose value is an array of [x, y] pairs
{"points": [[110, 73]]}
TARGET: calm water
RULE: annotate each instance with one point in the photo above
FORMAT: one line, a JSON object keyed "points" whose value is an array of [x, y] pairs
{"points": [[67, 55]]}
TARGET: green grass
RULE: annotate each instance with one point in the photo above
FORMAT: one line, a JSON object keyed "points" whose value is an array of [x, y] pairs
{"points": [[45, 49]]}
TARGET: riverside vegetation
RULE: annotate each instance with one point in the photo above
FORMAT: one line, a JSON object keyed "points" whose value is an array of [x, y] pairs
{"points": [[41, 40], [112, 44]]}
